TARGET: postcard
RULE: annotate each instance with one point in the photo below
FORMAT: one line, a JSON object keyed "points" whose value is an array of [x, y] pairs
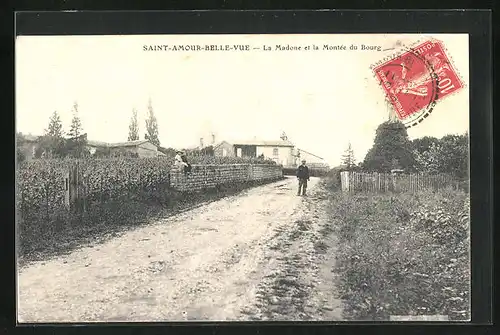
{"points": [[280, 177]]}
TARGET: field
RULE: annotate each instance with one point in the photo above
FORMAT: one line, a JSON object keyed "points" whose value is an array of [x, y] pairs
{"points": [[402, 254]]}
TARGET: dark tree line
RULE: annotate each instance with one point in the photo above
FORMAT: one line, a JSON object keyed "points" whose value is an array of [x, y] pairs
{"points": [[392, 149]]}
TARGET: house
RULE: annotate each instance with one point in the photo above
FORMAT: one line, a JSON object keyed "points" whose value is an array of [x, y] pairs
{"points": [[280, 151], [224, 149], [143, 148]]}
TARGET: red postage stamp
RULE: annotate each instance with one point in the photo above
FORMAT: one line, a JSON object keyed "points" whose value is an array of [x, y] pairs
{"points": [[418, 78]]}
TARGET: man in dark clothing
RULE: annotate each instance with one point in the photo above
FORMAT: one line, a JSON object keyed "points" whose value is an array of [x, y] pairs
{"points": [[187, 167], [303, 177]]}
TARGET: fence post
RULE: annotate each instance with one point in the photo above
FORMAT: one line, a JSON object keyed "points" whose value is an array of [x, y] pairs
{"points": [[72, 188], [85, 193], [47, 205], [67, 197]]}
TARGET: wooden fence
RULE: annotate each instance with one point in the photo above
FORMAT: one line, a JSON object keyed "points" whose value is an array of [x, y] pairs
{"points": [[388, 182]]}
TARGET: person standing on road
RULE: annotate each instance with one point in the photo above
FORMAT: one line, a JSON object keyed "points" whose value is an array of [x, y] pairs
{"points": [[303, 177]]}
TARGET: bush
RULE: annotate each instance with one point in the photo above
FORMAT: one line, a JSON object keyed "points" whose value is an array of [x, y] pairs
{"points": [[403, 256], [207, 159]]}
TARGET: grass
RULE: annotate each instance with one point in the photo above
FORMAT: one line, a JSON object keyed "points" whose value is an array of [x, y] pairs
{"points": [[402, 254]]}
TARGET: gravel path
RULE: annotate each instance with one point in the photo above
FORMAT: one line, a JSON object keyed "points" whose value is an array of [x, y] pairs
{"points": [[252, 256]]}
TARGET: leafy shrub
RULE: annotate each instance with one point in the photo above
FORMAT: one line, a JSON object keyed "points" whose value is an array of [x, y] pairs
{"points": [[404, 255], [207, 159]]}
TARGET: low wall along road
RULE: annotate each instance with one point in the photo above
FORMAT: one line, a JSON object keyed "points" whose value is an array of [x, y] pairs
{"points": [[211, 176]]}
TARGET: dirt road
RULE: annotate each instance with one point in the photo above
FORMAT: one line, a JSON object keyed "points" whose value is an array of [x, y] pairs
{"points": [[258, 255]]}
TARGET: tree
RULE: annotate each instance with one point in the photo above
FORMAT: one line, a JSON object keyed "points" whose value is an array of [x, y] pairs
{"points": [[455, 155], [133, 128], [449, 154], [151, 126], [348, 158], [55, 128], [76, 145], [391, 149], [423, 144], [51, 143], [428, 161], [76, 128]]}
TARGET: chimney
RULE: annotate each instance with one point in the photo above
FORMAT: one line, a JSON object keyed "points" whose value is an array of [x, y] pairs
{"points": [[201, 142], [213, 138]]}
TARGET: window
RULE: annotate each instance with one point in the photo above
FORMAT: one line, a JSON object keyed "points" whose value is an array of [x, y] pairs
{"points": [[275, 152]]}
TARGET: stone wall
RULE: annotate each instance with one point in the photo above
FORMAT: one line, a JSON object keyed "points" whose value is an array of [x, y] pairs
{"points": [[212, 176]]}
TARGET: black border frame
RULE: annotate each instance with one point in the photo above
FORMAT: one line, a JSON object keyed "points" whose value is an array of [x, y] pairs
{"points": [[477, 23]]}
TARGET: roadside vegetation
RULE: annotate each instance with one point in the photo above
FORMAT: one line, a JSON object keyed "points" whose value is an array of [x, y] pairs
{"points": [[402, 254]]}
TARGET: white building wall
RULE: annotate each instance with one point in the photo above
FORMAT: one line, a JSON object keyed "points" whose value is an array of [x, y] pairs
{"points": [[146, 150], [284, 154]]}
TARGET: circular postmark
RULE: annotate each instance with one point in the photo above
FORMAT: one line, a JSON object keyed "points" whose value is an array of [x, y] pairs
{"points": [[415, 79]]}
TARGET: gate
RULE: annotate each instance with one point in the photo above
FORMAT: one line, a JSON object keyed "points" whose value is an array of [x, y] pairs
{"points": [[75, 197]]}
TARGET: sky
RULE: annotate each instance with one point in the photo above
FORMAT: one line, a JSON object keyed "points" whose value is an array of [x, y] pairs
{"points": [[323, 99]]}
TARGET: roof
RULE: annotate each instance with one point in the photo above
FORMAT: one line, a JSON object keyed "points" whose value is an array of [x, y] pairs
{"points": [[97, 144], [128, 144], [307, 152], [279, 143], [117, 145], [220, 143]]}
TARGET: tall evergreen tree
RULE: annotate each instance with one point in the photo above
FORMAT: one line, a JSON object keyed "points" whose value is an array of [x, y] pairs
{"points": [[76, 145], [151, 126], [55, 128], [348, 158], [76, 128], [52, 142], [391, 149], [133, 128]]}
